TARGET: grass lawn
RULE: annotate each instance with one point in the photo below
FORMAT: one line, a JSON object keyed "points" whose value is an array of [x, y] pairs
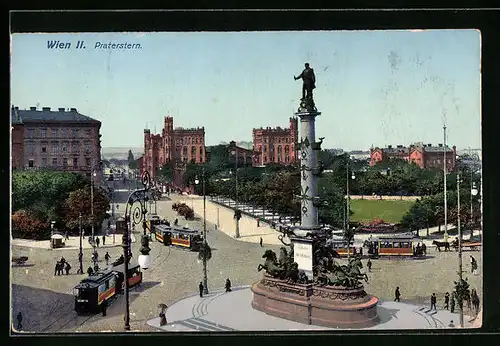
{"points": [[387, 210]]}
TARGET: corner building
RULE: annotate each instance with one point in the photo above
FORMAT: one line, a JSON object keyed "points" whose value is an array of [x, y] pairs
{"points": [[176, 145], [275, 145]]}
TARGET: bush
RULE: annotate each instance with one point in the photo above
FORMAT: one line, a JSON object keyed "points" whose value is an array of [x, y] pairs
{"points": [[27, 226]]}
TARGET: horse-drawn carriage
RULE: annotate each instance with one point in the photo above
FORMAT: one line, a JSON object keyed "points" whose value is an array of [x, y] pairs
{"points": [[467, 244], [19, 260]]}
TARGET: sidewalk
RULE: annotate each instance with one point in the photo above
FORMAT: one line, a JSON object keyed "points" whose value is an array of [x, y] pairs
{"points": [[72, 243], [213, 313]]}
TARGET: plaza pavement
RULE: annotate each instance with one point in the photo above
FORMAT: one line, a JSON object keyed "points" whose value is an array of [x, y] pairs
{"points": [[73, 243], [219, 311]]}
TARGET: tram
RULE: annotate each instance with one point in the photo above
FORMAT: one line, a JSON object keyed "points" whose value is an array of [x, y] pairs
{"points": [[102, 286], [402, 245], [152, 221], [176, 236], [340, 246], [92, 291]]}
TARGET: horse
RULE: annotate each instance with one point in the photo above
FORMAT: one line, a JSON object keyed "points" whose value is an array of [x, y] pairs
{"points": [[271, 265], [353, 269], [440, 244]]}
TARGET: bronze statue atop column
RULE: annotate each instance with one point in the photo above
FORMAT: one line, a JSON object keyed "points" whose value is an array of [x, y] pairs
{"points": [[309, 82]]}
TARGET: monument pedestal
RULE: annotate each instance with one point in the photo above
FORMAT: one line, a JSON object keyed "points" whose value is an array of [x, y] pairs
{"points": [[323, 306]]}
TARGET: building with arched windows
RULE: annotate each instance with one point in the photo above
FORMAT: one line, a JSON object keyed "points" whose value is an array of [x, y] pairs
{"points": [[177, 145]]}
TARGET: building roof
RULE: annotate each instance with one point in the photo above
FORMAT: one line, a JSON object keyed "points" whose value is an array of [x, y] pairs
{"points": [[15, 118], [47, 115], [437, 149]]}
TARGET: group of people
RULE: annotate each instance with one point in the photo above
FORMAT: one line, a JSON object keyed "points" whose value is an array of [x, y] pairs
{"points": [[61, 266], [421, 249], [97, 240], [449, 300]]}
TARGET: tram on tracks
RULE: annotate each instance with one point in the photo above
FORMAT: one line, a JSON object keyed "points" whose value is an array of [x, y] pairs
{"points": [[152, 220], [181, 237], [402, 245], [340, 246], [103, 286]]}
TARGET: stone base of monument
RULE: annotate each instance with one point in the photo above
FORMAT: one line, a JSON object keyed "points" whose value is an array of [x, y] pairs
{"points": [[323, 306]]}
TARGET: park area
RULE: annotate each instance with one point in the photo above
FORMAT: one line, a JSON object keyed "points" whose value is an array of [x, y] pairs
{"points": [[392, 211]]}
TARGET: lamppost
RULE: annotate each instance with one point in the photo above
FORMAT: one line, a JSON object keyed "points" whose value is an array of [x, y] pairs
{"points": [[347, 205], [445, 187], [235, 153], [80, 255], [473, 192], [459, 247], [92, 175], [136, 216], [205, 278]]}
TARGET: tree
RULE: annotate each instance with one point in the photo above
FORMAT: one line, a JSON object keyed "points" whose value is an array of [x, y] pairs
{"points": [[166, 172], [205, 252], [26, 225], [79, 201]]}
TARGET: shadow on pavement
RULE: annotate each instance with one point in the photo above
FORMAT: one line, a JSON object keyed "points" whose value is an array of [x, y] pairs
{"points": [[145, 285], [22, 265], [385, 314]]}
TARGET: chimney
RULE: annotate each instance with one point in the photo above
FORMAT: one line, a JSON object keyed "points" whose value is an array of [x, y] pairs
{"points": [[72, 109], [32, 108], [429, 145], [400, 146], [389, 146], [16, 108], [45, 109], [61, 109], [440, 145]]}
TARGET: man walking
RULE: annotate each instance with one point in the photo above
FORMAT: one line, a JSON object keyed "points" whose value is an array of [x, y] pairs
{"points": [[68, 267], [90, 271], [19, 320], [107, 257], [200, 287], [369, 265], [97, 241], [103, 240], [260, 242], [452, 303], [228, 285], [446, 301], [433, 301], [397, 294], [56, 270]]}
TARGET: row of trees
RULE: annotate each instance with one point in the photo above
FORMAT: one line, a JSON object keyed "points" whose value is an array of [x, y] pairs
{"points": [[40, 197]]}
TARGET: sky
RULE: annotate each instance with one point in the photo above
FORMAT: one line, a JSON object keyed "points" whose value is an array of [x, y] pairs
{"points": [[374, 88]]}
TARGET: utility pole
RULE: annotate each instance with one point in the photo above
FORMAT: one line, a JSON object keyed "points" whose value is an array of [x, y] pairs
{"points": [[92, 206], [205, 278], [347, 210], [80, 255], [445, 193], [459, 249]]}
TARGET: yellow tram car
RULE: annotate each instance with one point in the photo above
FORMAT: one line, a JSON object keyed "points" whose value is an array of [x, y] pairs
{"points": [[180, 237]]}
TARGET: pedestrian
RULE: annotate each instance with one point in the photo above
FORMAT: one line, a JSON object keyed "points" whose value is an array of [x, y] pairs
{"points": [[176, 222], [19, 320], [97, 241], [258, 222], [66, 235], [369, 265], [80, 257], [163, 317], [260, 242], [104, 306], [200, 287], [424, 248], [63, 260], [90, 271], [451, 325], [397, 295], [228, 285], [68, 268], [433, 301], [107, 257], [447, 301], [103, 240], [56, 270], [96, 268], [452, 303]]}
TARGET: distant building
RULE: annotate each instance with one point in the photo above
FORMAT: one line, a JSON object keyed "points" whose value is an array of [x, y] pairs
{"points": [[177, 145], [424, 155], [63, 140], [335, 151], [359, 155], [244, 155], [275, 145]]}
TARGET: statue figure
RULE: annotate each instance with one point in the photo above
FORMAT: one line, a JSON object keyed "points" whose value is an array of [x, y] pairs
{"points": [[271, 264], [354, 271], [309, 81]]}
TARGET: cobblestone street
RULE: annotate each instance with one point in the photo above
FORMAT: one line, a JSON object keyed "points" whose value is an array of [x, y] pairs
{"points": [[46, 300]]}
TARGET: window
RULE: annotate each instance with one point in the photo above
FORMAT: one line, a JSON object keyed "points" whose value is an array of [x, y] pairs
{"points": [[65, 162], [201, 152], [75, 162], [55, 147], [75, 133], [87, 147], [65, 146], [31, 163], [31, 148], [44, 133], [44, 162], [54, 162], [88, 132], [75, 147], [44, 148], [87, 161], [55, 132], [31, 133]]}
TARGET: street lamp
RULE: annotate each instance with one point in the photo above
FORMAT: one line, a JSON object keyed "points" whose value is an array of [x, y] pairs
{"points": [[205, 278], [144, 260], [80, 255], [353, 176], [92, 175], [473, 192], [459, 246], [234, 152]]}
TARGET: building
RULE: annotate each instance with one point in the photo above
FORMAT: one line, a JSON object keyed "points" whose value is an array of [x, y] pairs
{"points": [[359, 155], [244, 155], [424, 155], [177, 145], [275, 145], [62, 140]]}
